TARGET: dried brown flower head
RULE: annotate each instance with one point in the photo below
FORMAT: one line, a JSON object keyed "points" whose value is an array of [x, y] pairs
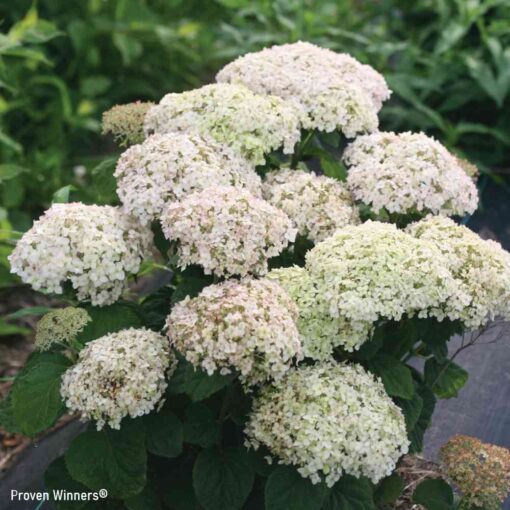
{"points": [[481, 471]]}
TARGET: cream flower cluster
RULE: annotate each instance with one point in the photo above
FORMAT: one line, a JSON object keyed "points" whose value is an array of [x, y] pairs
{"points": [[406, 173], [60, 326], [320, 332], [328, 420], [247, 327], [481, 268], [227, 231], [251, 124], [120, 374], [93, 247], [166, 168], [374, 271], [330, 90], [363, 274], [317, 205]]}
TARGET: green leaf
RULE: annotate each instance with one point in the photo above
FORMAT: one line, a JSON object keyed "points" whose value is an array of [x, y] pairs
{"points": [[7, 329], [396, 377], [57, 479], [350, 493], [8, 171], [201, 427], [389, 489], [115, 460], [62, 195], [36, 399], [164, 434], [445, 379], [110, 319], [286, 489], [423, 422], [148, 499], [189, 286], [30, 310], [156, 307], [196, 383], [259, 464], [179, 495], [411, 409], [7, 420], [222, 479], [434, 494]]}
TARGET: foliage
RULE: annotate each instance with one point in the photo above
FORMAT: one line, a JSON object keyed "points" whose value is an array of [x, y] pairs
{"points": [[190, 452], [63, 63]]}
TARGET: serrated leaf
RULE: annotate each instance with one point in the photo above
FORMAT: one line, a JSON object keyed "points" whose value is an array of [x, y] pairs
{"points": [[411, 409], [179, 495], [164, 434], [350, 493], [286, 489], [148, 499], [7, 420], [423, 422], [434, 494], [201, 427], [189, 286], [446, 379], [36, 400], [389, 489], [109, 319], [196, 383], [58, 480], [396, 377], [115, 460], [222, 479]]}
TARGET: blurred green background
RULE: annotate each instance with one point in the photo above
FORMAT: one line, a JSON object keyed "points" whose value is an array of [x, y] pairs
{"points": [[62, 63]]}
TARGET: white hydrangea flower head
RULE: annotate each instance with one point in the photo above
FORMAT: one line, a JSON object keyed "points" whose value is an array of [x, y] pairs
{"points": [[481, 268], [318, 205], [166, 168], [407, 173], [93, 247], [60, 326], [320, 332], [227, 231], [248, 327], [120, 374], [330, 90], [328, 420], [374, 271], [252, 125]]}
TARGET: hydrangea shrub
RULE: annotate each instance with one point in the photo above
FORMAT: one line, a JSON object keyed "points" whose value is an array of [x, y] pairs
{"points": [[296, 273]]}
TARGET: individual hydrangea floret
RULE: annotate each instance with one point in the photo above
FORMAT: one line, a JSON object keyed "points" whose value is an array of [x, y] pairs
{"points": [[60, 326], [93, 247], [481, 268], [166, 168], [251, 124], [317, 205], [327, 420], [120, 374], [125, 122], [373, 271], [247, 327], [481, 471], [330, 90], [320, 332], [408, 173], [227, 231]]}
